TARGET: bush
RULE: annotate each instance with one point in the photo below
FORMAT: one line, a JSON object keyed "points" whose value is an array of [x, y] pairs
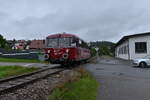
{"points": [[85, 88], [93, 52]]}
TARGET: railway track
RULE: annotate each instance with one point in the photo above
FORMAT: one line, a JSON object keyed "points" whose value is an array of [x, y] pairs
{"points": [[10, 84]]}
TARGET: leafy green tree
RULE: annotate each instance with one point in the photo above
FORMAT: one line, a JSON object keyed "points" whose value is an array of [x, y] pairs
{"points": [[3, 42], [105, 47], [93, 52], [104, 50]]}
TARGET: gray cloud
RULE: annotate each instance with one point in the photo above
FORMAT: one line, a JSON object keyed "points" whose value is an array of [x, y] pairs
{"points": [[90, 19]]}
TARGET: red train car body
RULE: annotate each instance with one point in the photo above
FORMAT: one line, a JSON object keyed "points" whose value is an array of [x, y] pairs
{"points": [[66, 48]]}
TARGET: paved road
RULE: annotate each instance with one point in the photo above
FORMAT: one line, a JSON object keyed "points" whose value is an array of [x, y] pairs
{"points": [[120, 81], [39, 65]]}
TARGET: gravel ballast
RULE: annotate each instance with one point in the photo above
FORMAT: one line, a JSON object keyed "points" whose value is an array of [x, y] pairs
{"points": [[41, 89]]}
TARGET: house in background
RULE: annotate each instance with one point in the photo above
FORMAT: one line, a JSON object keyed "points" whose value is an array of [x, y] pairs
{"points": [[133, 46], [37, 44], [19, 44]]}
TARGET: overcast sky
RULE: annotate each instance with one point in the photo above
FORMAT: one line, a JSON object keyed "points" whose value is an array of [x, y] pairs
{"points": [[90, 19]]}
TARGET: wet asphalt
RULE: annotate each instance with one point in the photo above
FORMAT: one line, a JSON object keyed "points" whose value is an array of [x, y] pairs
{"points": [[119, 80]]}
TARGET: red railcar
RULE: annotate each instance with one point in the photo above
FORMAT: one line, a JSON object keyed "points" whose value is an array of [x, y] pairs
{"points": [[66, 48]]}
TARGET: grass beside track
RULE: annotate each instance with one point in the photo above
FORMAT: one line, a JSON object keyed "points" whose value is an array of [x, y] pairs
{"points": [[19, 60], [85, 88], [6, 71]]}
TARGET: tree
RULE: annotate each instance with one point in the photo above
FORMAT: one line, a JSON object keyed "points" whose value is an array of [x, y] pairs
{"points": [[104, 50], [93, 52], [3, 42], [105, 47]]}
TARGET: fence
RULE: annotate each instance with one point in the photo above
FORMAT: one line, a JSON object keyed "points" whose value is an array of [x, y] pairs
{"points": [[26, 54]]}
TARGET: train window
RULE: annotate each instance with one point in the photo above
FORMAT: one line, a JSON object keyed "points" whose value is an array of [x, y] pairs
{"points": [[64, 42], [80, 42], [53, 42], [83, 44], [73, 42]]}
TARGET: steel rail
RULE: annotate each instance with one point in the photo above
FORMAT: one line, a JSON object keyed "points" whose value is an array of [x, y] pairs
{"points": [[12, 83]]}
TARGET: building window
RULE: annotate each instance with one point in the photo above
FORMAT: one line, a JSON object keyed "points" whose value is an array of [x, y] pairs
{"points": [[140, 47], [123, 50]]}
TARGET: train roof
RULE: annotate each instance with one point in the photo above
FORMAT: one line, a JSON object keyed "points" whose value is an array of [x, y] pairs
{"points": [[62, 35]]}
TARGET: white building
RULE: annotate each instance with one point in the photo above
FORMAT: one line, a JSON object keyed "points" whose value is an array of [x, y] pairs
{"points": [[133, 46]]}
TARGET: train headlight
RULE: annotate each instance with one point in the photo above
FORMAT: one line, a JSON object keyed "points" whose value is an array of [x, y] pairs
{"points": [[49, 51], [67, 50]]}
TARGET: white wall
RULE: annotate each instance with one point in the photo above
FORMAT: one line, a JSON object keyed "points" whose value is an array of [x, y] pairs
{"points": [[122, 56], [132, 41]]}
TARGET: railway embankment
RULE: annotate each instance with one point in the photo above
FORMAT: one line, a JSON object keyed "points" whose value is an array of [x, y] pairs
{"points": [[41, 89], [68, 81], [83, 88]]}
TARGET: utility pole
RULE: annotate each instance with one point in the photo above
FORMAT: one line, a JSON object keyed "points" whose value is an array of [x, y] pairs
{"points": [[97, 56]]}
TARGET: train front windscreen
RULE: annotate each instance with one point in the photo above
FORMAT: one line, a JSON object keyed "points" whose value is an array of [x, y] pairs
{"points": [[60, 42], [52, 42]]}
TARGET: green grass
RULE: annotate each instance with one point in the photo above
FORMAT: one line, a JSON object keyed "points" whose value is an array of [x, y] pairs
{"points": [[84, 88], [19, 60], [6, 71]]}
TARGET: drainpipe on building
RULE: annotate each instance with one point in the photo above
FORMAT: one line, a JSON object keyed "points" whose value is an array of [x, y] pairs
{"points": [[128, 51]]}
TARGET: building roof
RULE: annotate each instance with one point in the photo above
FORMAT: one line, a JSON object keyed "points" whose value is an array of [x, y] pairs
{"points": [[37, 44], [130, 36]]}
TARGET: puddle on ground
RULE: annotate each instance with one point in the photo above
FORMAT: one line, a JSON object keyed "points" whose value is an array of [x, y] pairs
{"points": [[117, 73], [99, 68]]}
